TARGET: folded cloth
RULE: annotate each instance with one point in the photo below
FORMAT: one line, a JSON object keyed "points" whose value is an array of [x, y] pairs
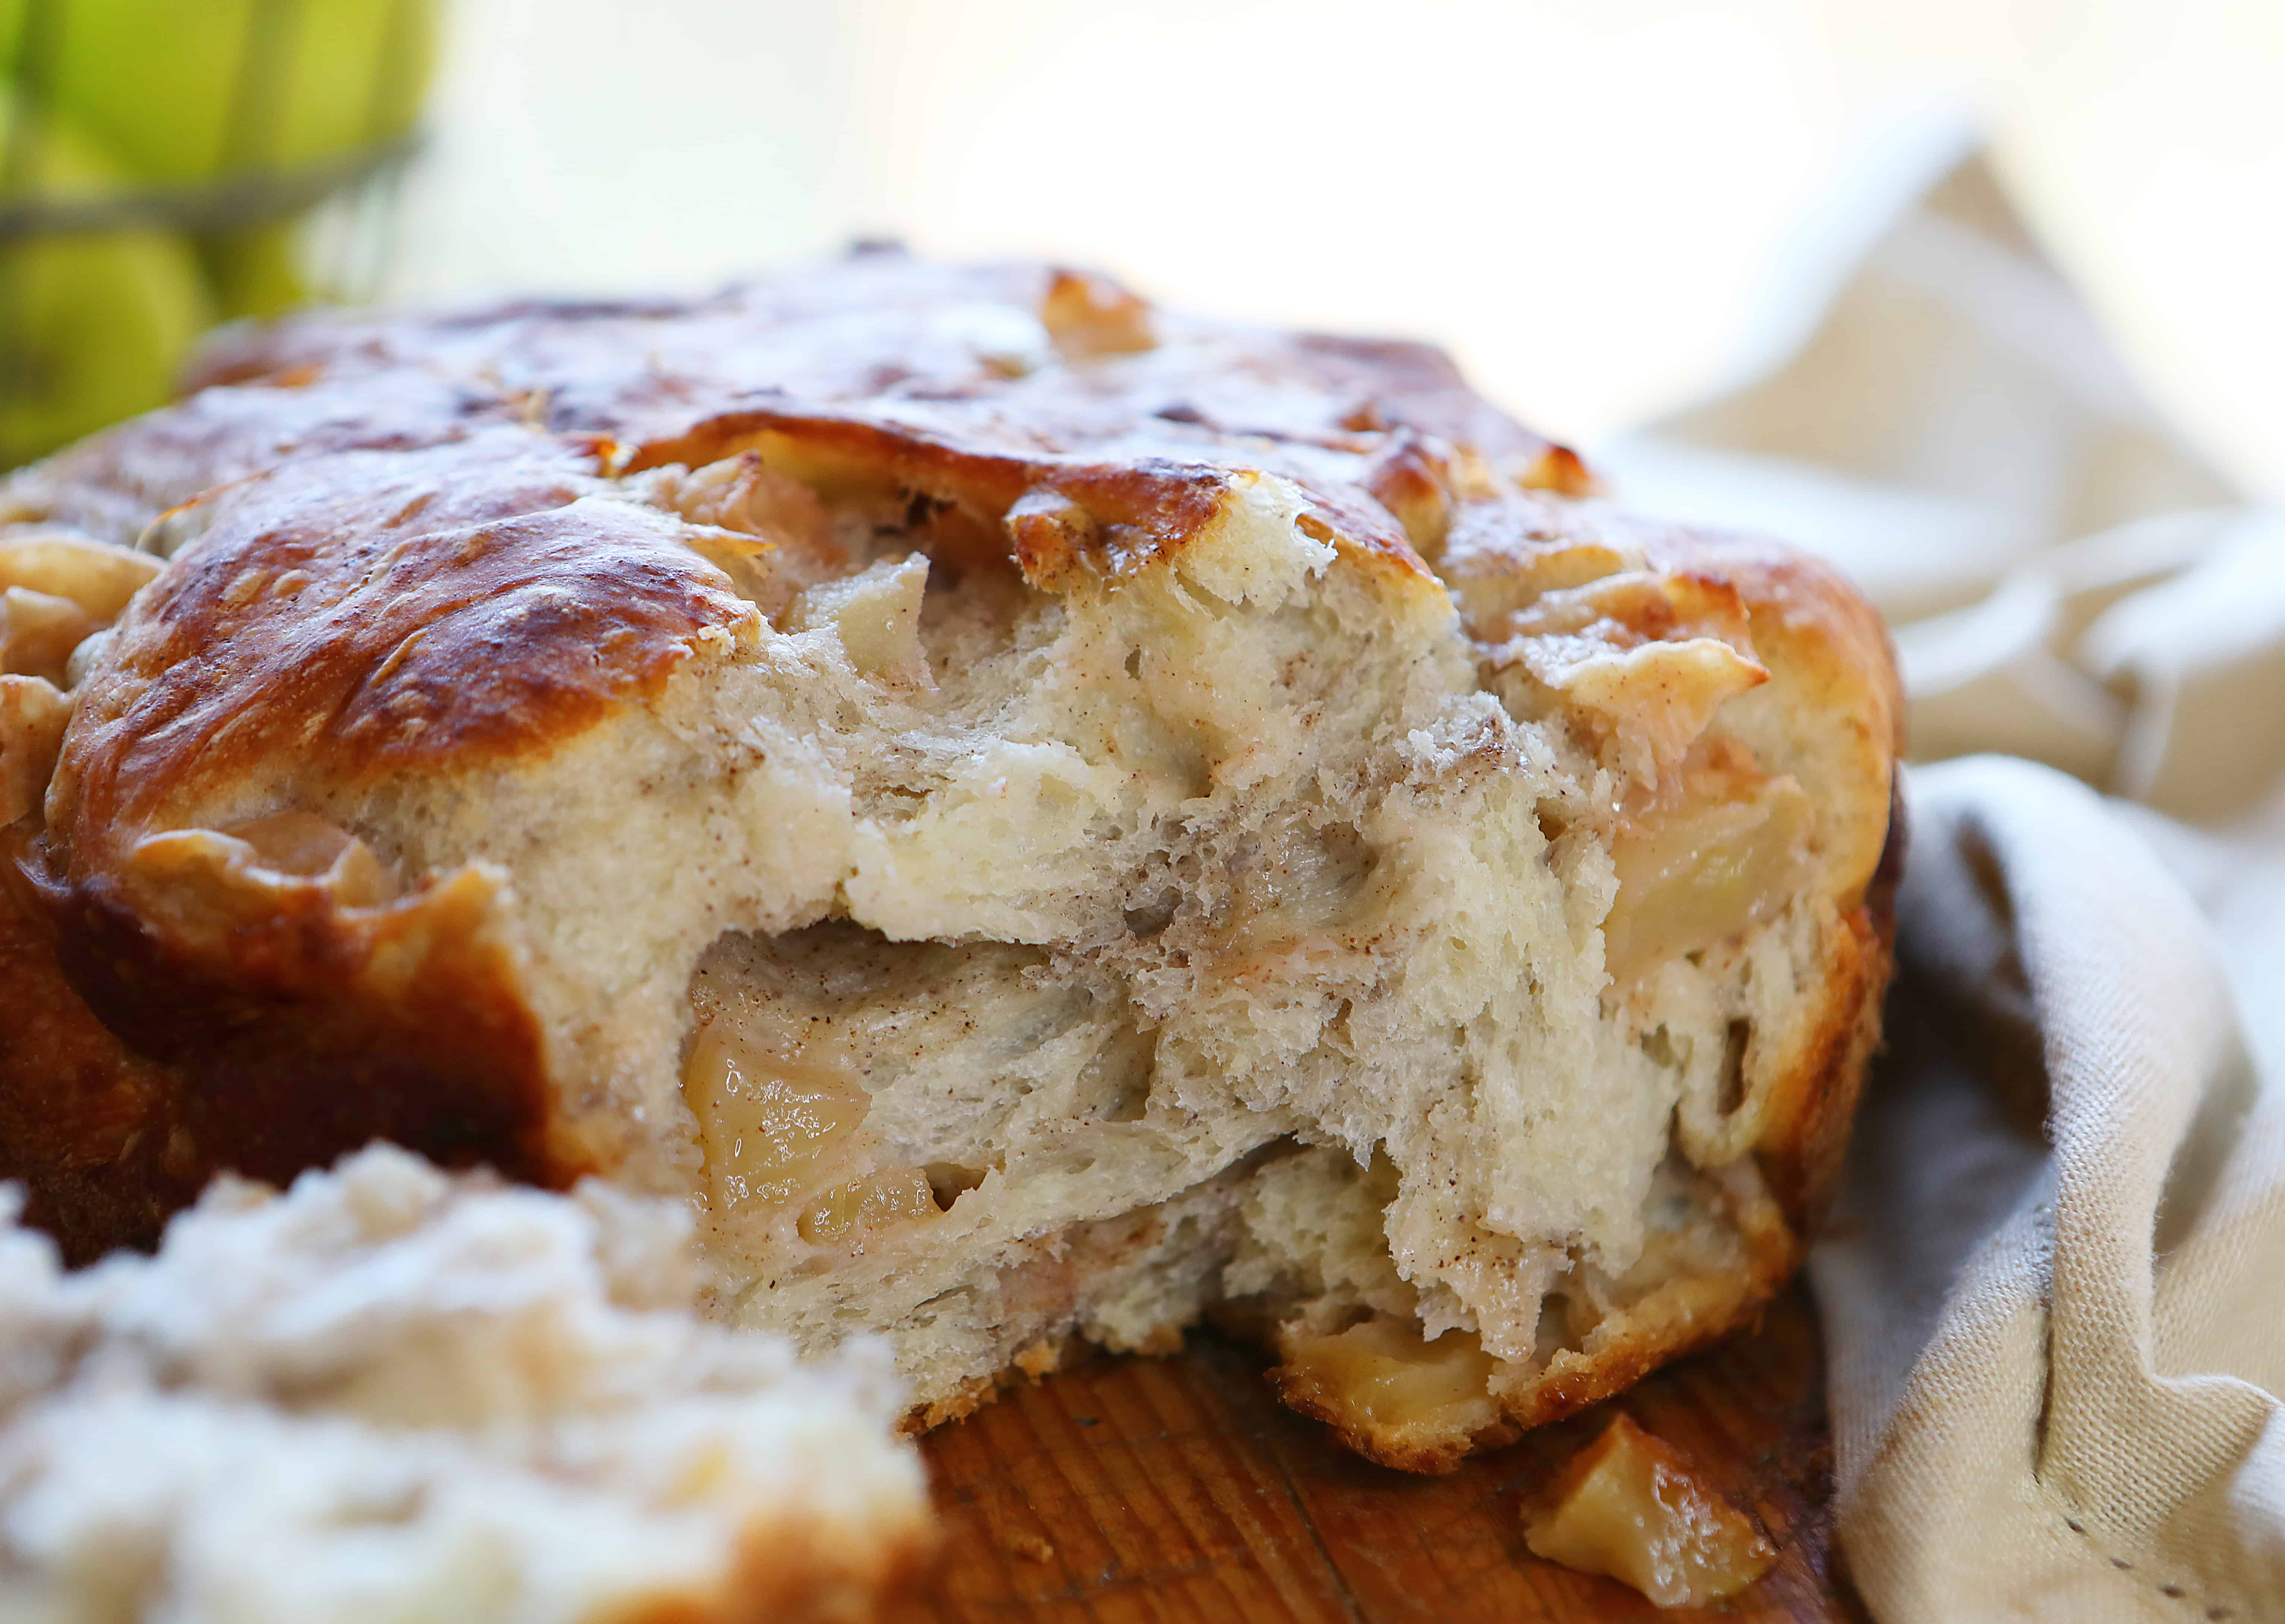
{"points": [[2054, 1290], [2049, 1293]]}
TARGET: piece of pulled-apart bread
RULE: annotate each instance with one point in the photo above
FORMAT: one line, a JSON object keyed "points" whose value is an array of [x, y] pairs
{"points": [[393, 1393], [1043, 817]]}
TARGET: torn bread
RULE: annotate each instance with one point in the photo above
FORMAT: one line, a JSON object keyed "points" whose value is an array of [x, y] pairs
{"points": [[389, 1394], [1041, 817]]}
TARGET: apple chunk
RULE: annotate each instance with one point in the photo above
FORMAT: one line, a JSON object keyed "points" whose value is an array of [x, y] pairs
{"points": [[1691, 874], [768, 1112], [1381, 1383], [1630, 1506]]}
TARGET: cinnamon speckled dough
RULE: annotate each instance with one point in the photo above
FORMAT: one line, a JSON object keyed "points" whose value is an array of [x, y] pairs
{"points": [[1043, 817]]}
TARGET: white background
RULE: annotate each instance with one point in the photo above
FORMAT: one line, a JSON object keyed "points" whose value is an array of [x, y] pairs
{"points": [[1609, 207]]}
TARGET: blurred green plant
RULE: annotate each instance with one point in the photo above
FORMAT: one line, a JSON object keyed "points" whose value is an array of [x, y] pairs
{"points": [[213, 126]]}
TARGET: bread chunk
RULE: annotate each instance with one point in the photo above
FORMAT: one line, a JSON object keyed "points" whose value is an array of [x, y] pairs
{"points": [[1043, 817], [392, 1394]]}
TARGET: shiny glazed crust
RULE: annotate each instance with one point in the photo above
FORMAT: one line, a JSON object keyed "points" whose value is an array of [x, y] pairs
{"points": [[405, 554]]}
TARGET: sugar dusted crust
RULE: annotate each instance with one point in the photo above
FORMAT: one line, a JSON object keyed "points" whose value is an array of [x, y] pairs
{"points": [[532, 688]]}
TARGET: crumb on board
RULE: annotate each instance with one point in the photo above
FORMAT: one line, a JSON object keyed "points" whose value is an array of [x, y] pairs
{"points": [[1632, 1507]]}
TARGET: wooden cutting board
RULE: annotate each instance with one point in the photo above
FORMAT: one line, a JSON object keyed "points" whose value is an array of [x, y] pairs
{"points": [[1175, 1491]]}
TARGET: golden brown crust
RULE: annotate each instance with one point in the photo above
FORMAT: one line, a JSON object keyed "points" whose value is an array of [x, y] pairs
{"points": [[115, 484], [362, 613], [343, 617], [886, 372], [927, 349], [263, 1046]]}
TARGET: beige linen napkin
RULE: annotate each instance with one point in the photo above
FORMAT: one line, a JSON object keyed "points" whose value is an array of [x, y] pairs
{"points": [[2053, 1345], [2054, 1290]]}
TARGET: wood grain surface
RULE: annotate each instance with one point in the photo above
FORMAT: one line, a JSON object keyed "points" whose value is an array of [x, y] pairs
{"points": [[1173, 1491]]}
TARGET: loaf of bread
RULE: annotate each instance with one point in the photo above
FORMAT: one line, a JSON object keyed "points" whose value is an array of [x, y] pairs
{"points": [[389, 1394], [1042, 818]]}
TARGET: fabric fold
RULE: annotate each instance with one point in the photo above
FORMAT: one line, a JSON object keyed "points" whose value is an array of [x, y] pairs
{"points": [[2065, 1195]]}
